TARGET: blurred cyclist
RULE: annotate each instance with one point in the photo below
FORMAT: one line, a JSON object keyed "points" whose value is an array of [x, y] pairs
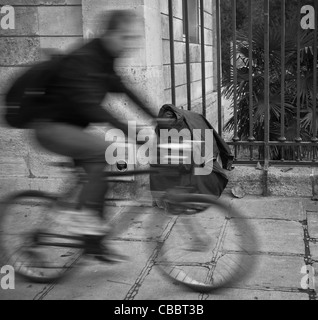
{"points": [[74, 101]]}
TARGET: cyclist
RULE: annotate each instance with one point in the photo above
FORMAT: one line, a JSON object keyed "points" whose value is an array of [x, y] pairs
{"points": [[74, 101]]}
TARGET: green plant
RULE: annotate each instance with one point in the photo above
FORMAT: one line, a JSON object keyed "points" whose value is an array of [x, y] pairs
{"points": [[275, 74]]}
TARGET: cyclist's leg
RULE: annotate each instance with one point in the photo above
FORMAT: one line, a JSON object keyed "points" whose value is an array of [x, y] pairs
{"points": [[93, 193], [89, 152]]}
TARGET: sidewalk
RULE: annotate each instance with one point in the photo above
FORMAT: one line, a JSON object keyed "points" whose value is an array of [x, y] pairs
{"points": [[280, 225]]}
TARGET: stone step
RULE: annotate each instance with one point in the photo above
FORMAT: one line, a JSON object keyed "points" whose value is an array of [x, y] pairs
{"points": [[281, 181]]}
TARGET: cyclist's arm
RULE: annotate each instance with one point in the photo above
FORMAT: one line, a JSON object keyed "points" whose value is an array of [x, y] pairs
{"points": [[85, 88], [97, 114]]}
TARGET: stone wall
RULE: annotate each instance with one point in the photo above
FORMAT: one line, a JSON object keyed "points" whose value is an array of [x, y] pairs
{"points": [[62, 24], [40, 24], [195, 60], [141, 70]]}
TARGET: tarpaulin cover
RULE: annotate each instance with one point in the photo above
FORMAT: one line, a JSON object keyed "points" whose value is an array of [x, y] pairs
{"points": [[216, 160]]}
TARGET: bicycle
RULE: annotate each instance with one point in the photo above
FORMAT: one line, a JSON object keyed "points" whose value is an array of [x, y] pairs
{"points": [[201, 257]]}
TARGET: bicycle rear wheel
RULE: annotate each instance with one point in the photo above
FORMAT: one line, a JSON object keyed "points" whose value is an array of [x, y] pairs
{"points": [[23, 217], [208, 244]]}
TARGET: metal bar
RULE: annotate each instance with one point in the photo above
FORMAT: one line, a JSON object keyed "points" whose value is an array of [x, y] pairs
{"points": [[314, 153], [203, 74], [314, 102], [219, 64], [266, 97], [172, 55], [282, 137], [298, 138], [266, 73], [250, 47], [273, 143], [188, 62], [250, 37], [283, 71], [236, 138], [278, 163]]}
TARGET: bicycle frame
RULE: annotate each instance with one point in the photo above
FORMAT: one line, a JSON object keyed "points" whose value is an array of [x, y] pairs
{"points": [[88, 243]]}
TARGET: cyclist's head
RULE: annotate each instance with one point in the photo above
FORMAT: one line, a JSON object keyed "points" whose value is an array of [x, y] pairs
{"points": [[121, 31]]}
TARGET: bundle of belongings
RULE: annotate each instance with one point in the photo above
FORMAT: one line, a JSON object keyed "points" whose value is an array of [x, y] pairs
{"points": [[207, 176]]}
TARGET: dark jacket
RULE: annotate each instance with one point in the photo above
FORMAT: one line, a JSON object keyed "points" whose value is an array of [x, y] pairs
{"points": [[192, 120], [213, 183], [83, 78]]}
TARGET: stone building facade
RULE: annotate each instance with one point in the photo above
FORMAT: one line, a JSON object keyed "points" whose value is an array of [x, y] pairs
{"points": [[195, 56], [62, 24]]}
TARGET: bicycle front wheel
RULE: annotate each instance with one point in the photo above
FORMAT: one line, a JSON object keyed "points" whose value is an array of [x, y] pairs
{"points": [[208, 244], [23, 217]]}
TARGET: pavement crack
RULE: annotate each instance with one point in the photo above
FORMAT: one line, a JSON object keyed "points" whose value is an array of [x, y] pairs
{"points": [[134, 290], [41, 295], [308, 262], [46, 290]]}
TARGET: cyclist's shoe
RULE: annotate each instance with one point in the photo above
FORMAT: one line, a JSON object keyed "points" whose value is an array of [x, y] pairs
{"points": [[109, 255], [85, 222]]}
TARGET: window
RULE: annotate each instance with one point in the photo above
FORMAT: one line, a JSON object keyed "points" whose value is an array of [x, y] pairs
{"points": [[193, 16]]}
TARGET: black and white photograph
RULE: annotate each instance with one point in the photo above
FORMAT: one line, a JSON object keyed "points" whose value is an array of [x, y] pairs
{"points": [[158, 155]]}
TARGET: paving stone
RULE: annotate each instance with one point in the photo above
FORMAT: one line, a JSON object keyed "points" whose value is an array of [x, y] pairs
{"points": [[275, 273], [133, 225], [265, 295], [309, 205], [23, 291], [157, 287], [315, 266], [101, 281], [272, 236], [181, 243], [312, 220], [314, 250], [263, 283], [270, 208]]}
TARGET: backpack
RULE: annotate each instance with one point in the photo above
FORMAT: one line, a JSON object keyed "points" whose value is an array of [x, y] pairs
{"points": [[225, 152], [213, 183], [25, 95], [194, 120]]}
